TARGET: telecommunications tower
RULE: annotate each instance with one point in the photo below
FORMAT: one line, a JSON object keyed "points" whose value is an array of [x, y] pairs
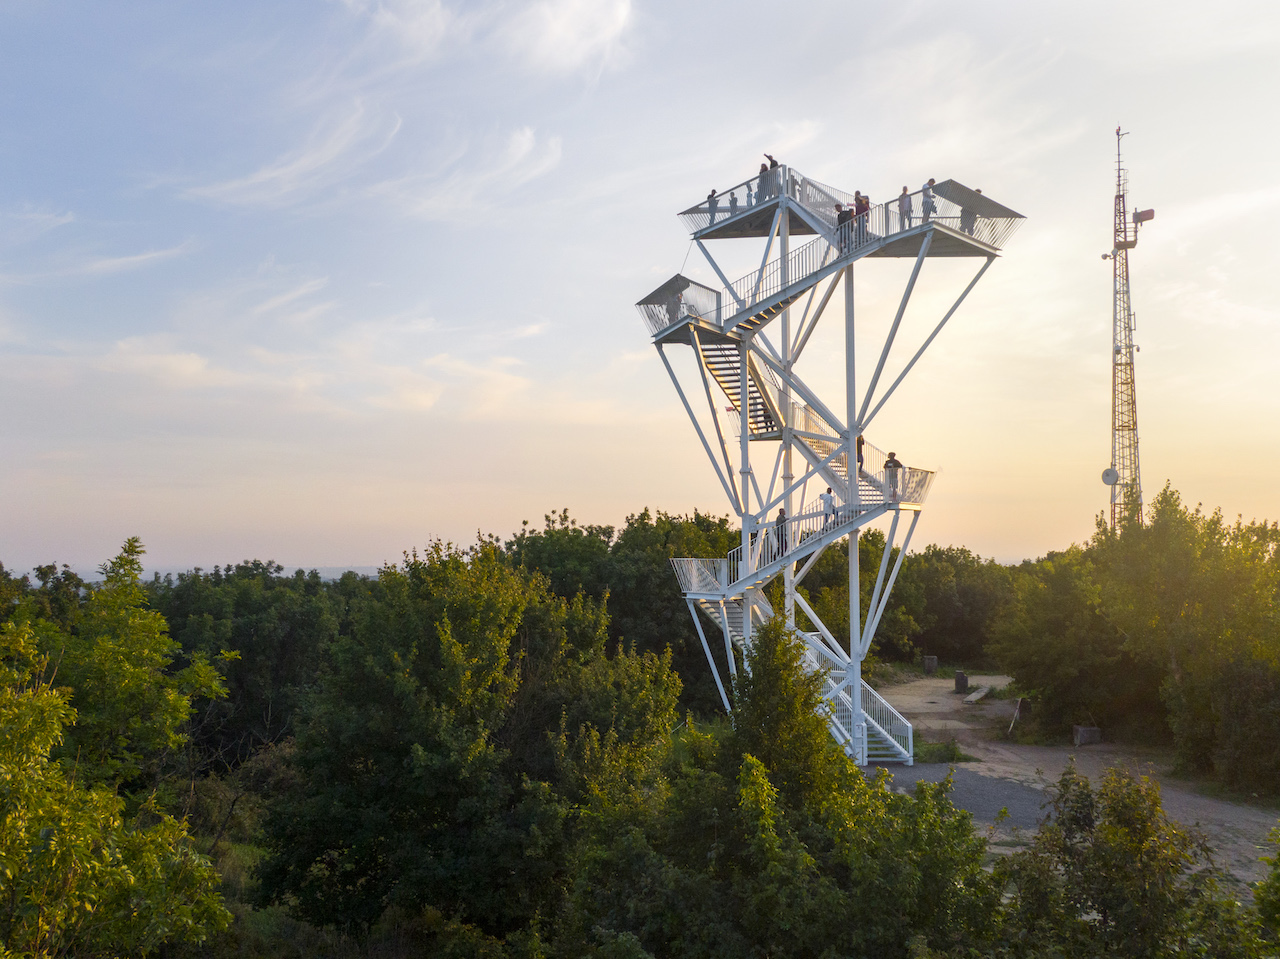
{"points": [[1123, 475], [798, 470]]}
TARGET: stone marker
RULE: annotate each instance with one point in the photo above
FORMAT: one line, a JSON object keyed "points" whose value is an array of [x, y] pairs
{"points": [[1086, 735], [930, 665], [962, 682]]}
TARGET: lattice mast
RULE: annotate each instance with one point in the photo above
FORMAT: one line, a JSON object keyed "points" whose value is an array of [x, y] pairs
{"points": [[1125, 475]]}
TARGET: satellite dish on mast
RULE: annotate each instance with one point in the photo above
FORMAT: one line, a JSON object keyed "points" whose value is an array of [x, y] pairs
{"points": [[1110, 476]]}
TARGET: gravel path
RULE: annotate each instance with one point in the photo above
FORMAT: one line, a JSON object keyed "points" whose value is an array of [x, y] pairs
{"points": [[1014, 777]]}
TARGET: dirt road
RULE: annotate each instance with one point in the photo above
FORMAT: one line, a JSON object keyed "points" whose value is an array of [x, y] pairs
{"points": [[1012, 776]]}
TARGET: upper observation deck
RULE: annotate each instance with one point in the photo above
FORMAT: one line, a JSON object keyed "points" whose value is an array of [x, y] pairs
{"points": [[980, 225], [948, 220]]}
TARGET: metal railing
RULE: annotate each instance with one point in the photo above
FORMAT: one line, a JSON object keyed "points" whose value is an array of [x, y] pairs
{"points": [[701, 575], [890, 721], [880, 221], [771, 543], [875, 709], [739, 198], [677, 299]]}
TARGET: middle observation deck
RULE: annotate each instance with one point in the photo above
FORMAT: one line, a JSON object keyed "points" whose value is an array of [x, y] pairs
{"points": [[955, 221]]}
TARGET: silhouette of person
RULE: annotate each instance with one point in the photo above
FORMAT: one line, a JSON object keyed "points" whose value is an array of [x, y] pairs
{"points": [[712, 202], [904, 209], [861, 210], [892, 468], [968, 218], [828, 507], [859, 450], [733, 203], [844, 217], [926, 201], [780, 532]]}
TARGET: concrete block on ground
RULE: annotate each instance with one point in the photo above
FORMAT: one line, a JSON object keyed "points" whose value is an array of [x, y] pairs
{"points": [[930, 665], [976, 695], [962, 682], [1086, 735]]}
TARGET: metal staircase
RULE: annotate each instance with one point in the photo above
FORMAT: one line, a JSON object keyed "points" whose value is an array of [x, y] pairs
{"points": [[890, 743]]}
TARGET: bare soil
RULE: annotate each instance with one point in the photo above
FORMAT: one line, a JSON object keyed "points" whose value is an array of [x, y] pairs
{"points": [[1237, 832]]}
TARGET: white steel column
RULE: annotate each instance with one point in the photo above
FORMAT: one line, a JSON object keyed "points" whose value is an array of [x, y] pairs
{"points": [[784, 248], [853, 674], [744, 454]]}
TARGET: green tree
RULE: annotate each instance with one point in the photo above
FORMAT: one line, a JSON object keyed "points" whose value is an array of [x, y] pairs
{"points": [[275, 625], [716, 851], [76, 877], [962, 597], [1110, 874], [573, 558], [418, 746], [647, 609], [132, 706], [1055, 639], [1191, 593]]}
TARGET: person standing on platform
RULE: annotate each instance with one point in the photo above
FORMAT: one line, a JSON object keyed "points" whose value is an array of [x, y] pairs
{"points": [[904, 209], [861, 441], [762, 187], [926, 201], [780, 534], [828, 508], [712, 203], [844, 221], [861, 210], [891, 470]]}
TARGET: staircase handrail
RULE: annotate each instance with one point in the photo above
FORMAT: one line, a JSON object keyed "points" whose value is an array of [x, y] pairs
{"points": [[890, 722]]}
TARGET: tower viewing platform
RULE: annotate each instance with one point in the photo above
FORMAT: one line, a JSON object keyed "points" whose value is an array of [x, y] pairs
{"points": [[798, 470], [952, 221]]}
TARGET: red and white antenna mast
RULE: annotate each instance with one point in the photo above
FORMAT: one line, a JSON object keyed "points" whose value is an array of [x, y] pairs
{"points": [[1123, 475]]}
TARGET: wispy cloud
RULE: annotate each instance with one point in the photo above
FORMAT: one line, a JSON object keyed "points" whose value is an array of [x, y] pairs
{"points": [[565, 36], [155, 359], [485, 390], [273, 303], [99, 265], [470, 184], [335, 148], [24, 225], [420, 26], [103, 265]]}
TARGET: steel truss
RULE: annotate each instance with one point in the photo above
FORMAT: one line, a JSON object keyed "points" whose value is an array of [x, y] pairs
{"points": [[790, 443], [1124, 476]]}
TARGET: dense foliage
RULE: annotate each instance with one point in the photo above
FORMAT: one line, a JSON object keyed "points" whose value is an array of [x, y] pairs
{"points": [[515, 750], [92, 724], [1166, 629]]}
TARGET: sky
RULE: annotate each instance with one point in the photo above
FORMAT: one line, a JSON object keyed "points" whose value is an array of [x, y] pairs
{"points": [[321, 281]]}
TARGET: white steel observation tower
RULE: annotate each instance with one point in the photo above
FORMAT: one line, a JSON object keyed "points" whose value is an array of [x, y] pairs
{"points": [[775, 445]]}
